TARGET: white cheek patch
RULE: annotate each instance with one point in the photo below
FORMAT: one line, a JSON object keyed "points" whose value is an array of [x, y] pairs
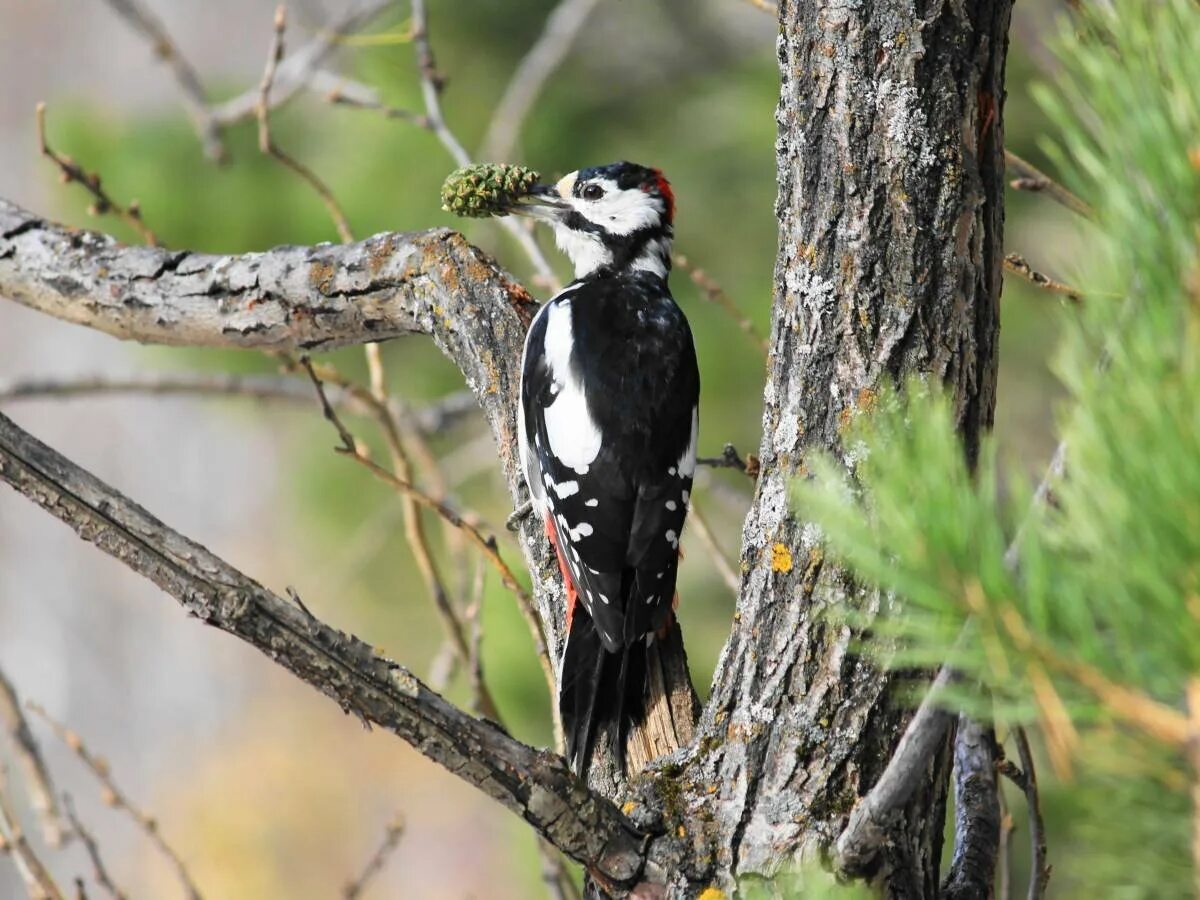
{"points": [[625, 211], [574, 436]]}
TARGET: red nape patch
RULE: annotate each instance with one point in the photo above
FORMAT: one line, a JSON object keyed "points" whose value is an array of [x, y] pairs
{"points": [[664, 187]]}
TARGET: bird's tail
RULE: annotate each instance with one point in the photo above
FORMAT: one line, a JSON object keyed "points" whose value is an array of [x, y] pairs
{"points": [[599, 691]]}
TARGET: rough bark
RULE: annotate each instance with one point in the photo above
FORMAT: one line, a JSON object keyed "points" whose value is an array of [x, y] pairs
{"points": [[891, 213], [890, 210]]}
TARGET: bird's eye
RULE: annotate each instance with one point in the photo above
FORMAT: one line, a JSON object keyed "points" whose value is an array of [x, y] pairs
{"points": [[592, 192]]}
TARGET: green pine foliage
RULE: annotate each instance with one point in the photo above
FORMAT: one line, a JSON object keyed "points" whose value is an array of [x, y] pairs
{"points": [[1095, 636]]}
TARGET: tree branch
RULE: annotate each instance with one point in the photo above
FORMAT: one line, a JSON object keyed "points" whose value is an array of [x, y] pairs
{"points": [[29, 755], [537, 785], [976, 814]]}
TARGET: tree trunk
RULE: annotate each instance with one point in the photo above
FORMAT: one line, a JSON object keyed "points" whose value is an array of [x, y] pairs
{"points": [[890, 155]]}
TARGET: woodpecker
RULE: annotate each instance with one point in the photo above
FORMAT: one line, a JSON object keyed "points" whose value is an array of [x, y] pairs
{"points": [[608, 424]]}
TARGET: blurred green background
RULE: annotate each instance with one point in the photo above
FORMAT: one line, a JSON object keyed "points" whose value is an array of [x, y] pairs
{"points": [[687, 87]]}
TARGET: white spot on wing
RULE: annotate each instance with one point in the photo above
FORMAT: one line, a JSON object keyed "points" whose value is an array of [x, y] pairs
{"points": [[566, 489], [582, 530], [592, 502], [671, 505], [672, 538]]}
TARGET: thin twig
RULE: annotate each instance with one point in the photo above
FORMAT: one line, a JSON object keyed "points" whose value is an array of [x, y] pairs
{"points": [[190, 88], [431, 88], [731, 459], [1003, 856], [99, 872], [298, 70], [436, 417], [712, 291], [391, 840], [349, 444], [71, 171], [715, 553], [1018, 265], [1031, 178], [346, 92], [548, 52], [39, 883], [267, 145], [1026, 779], [474, 617], [114, 797], [486, 543], [29, 756]]}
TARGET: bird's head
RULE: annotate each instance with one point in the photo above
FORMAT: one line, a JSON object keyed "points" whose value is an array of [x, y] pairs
{"points": [[614, 218]]}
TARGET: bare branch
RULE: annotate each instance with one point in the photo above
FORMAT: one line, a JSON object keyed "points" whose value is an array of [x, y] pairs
{"points": [[1018, 265], [976, 814], [1031, 178], [99, 872], [152, 29], [269, 147], [438, 416], [712, 291], [71, 171], [33, 767], [431, 89], [39, 883], [558, 36], [391, 840], [866, 829], [715, 554], [1026, 779], [731, 459], [111, 794], [298, 70], [534, 784]]}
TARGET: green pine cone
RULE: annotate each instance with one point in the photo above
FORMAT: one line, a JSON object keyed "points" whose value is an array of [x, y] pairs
{"points": [[487, 189]]}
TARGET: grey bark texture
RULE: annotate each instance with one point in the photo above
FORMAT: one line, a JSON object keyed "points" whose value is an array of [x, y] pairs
{"points": [[890, 156]]}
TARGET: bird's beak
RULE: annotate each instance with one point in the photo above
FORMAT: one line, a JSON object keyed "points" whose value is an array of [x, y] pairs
{"points": [[543, 202]]}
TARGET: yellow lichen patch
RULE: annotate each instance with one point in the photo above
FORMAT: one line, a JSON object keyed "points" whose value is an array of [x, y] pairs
{"points": [[681, 831], [712, 893], [629, 807], [781, 558], [320, 275]]}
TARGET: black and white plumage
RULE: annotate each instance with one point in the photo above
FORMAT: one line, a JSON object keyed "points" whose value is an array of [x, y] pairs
{"points": [[608, 425]]}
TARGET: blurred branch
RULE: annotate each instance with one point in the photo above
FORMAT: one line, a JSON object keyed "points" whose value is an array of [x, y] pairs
{"points": [[715, 294], [99, 872], [765, 5], [268, 146], [1003, 861], [391, 840], [1017, 264], [548, 52], [1026, 779], [346, 92], [1031, 178], [71, 171], [536, 785], [976, 814], [110, 793], [437, 416], [39, 884], [151, 28], [1193, 702], [700, 524], [29, 756]]}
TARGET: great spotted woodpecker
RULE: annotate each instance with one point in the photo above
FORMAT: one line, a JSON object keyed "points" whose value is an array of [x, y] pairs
{"points": [[608, 422]]}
